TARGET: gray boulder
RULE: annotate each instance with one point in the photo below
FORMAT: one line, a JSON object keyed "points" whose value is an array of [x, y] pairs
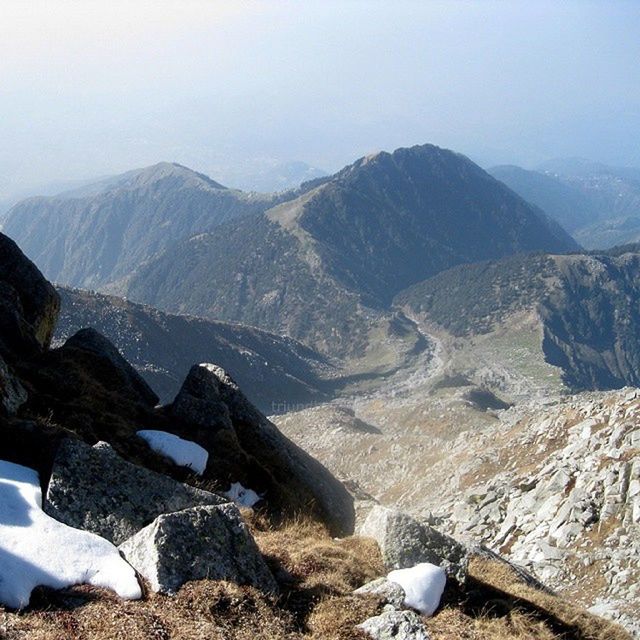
{"points": [[389, 592], [395, 625], [122, 377], [212, 411], [201, 542], [94, 489], [405, 542], [12, 394]]}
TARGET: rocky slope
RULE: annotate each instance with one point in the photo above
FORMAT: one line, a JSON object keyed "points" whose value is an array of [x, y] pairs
{"points": [[347, 245], [598, 204], [551, 487], [100, 232], [277, 372]]}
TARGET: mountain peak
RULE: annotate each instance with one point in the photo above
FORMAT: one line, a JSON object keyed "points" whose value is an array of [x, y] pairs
{"points": [[164, 171]]}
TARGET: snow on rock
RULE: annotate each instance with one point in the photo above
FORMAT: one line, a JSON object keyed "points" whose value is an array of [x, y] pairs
{"points": [[244, 497], [184, 453], [37, 550], [423, 586]]}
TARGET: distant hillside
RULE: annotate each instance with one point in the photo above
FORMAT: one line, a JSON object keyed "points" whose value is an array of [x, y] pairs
{"points": [[598, 204], [566, 203], [277, 372], [100, 232], [325, 266], [588, 306]]}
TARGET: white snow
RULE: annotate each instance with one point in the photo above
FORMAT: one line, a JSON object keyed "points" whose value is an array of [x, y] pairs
{"points": [[183, 452], [423, 586], [37, 550], [240, 495]]}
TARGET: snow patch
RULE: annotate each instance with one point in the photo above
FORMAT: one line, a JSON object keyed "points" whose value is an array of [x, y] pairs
{"points": [[37, 550], [240, 495], [184, 453], [423, 586]]}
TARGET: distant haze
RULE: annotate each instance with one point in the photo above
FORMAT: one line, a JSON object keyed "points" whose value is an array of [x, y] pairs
{"points": [[234, 89]]}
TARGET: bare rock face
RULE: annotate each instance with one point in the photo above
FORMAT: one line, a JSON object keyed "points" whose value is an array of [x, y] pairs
{"points": [[201, 542], [211, 410], [395, 625], [29, 305], [12, 394], [94, 489], [124, 376], [405, 542]]}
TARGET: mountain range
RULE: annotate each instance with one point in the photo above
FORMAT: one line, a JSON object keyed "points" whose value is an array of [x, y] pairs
{"points": [[598, 204]]}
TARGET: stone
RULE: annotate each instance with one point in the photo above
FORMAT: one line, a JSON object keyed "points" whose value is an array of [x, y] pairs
{"points": [[29, 305], [94, 489], [389, 592], [395, 625], [405, 542], [123, 376], [12, 394], [202, 542], [211, 410]]}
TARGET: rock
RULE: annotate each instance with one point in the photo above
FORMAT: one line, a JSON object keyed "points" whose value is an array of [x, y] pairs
{"points": [[406, 542], [396, 625], [200, 401], [389, 592], [94, 489], [201, 542], [12, 394], [29, 305], [214, 413], [123, 376]]}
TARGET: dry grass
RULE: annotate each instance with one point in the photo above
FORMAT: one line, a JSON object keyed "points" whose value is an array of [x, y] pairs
{"points": [[317, 575]]}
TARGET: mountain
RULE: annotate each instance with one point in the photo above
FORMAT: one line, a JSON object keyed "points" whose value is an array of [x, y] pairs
{"points": [[583, 308], [324, 267], [90, 461], [100, 232], [564, 202], [277, 372], [598, 204]]}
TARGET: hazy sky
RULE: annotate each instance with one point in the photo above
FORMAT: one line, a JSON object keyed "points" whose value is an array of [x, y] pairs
{"points": [[93, 87]]}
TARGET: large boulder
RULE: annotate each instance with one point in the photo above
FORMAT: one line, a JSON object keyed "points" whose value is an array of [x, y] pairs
{"points": [[201, 542], [211, 410], [122, 376], [395, 625], [406, 542], [29, 305], [12, 394], [94, 489]]}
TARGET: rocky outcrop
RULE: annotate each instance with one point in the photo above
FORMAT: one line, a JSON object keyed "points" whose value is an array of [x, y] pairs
{"points": [[405, 542], [12, 394], [201, 542], [395, 625], [215, 413], [557, 490], [94, 489], [124, 377], [29, 305]]}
